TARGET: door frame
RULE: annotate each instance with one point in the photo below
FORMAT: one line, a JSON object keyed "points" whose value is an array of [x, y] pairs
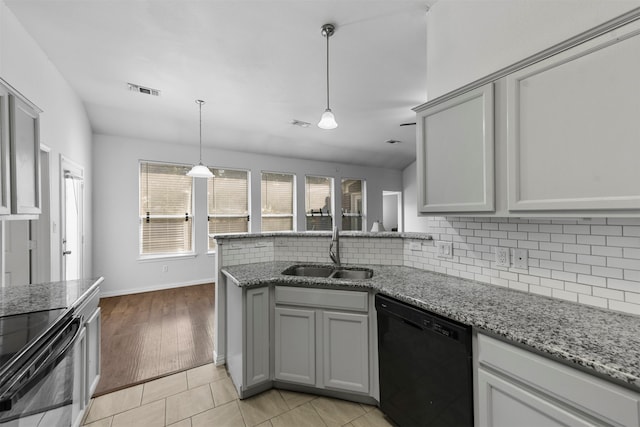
{"points": [[69, 166]]}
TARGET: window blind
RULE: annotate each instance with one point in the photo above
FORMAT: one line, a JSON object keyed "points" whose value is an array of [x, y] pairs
{"points": [[228, 201], [352, 204], [277, 191], [165, 214], [318, 202]]}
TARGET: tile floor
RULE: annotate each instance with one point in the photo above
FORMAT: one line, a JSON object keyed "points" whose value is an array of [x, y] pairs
{"points": [[205, 396]]}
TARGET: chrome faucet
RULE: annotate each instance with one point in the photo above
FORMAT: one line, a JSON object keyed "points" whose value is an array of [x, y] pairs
{"points": [[335, 244]]}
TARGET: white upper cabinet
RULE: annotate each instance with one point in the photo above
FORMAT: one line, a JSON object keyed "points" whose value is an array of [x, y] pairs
{"points": [[19, 153], [5, 183], [25, 157], [455, 154], [573, 138]]}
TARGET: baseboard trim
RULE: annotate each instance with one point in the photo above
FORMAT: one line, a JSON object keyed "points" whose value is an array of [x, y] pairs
{"points": [[218, 359], [106, 294]]}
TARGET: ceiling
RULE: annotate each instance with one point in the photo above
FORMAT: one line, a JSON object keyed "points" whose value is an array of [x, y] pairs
{"points": [[257, 64]]}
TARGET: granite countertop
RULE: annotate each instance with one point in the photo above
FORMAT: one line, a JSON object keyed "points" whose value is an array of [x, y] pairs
{"points": [[380, 234], [602, 342], [18, 299]]}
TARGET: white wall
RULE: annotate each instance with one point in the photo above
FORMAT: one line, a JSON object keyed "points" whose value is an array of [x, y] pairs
{"points": [[469, 39], [116, 207], [593, 262], [64, 126]]}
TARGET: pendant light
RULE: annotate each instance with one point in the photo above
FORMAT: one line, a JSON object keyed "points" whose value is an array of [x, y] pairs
{"points": [[328, 120], [200, 170]]}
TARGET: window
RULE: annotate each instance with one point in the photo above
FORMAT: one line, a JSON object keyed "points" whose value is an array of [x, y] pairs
{"points": [[318, 203], [228, 202], [165, 204], [277, 202], [352, 204]]}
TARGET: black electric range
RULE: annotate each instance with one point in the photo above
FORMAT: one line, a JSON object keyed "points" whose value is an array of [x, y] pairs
{"points": [[19, 333]]}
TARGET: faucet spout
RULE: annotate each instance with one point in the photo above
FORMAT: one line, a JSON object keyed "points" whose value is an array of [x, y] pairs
{"points": [[334, 247]]}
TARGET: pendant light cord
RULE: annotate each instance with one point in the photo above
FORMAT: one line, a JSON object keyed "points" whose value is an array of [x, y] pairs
{"points": [[327, 36], [200, 102]]}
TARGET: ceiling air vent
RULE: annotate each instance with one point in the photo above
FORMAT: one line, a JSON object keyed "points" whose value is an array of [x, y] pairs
{"points": [[300, 123], [142, 89]]}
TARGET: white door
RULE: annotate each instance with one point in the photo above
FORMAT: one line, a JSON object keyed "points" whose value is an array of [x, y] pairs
{"points": [[72, 221]]}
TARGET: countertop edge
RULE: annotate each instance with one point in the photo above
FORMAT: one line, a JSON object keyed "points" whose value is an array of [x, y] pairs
{"points": [[588, 365]]}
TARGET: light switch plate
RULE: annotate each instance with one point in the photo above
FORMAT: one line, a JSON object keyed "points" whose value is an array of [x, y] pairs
{"points": [[445, 249], [502, 257]]}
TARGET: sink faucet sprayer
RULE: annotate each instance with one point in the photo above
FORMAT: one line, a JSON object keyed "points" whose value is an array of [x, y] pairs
{"points": [[335, 243]]}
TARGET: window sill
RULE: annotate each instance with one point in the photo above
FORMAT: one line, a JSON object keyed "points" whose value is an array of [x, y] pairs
{"points": [[152, 258]]}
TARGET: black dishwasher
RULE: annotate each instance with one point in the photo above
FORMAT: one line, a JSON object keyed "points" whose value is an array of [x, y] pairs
{"points": [[425, 366]]}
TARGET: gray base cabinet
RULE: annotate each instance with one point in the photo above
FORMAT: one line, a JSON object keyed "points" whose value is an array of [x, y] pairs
{"points": [[295, 345], [318, 346], [345, 351], [93, 352], [257, 336], [517, 387]]}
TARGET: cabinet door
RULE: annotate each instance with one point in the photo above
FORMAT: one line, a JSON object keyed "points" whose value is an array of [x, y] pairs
{"points": [[505, 404], [455, 148], [257, 336], [93, 353], [345, 341], [295, 342], [25, 157], [5, 187], [573, 128]]}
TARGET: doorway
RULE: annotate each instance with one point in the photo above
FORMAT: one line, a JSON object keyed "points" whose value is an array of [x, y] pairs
{"points": [[27, 243], [72, 224], [392, 211]]}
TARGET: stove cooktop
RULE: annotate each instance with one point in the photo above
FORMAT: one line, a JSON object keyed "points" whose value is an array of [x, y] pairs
{"points": [[19, 330]]}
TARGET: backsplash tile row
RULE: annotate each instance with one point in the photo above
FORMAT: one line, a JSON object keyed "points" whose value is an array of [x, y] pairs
{"points": [[590, 261]]}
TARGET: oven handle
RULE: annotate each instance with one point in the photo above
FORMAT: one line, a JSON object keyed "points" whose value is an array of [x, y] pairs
{"points": [[17, 389]]}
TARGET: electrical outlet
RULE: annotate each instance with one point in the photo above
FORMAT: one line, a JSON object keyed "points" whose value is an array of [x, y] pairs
{"points": [[502, 257], [445, 249], [520, 258], [165, 268]]}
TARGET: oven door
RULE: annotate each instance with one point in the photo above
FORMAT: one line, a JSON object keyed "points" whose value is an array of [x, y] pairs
{"points": [[48, 388]]}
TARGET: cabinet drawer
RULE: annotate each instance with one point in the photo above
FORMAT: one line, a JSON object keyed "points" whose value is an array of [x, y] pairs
{"points": [[322, 298], [592, 395]]}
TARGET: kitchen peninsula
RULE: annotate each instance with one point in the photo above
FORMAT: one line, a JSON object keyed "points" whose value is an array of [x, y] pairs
{"points": [[602, 343]]}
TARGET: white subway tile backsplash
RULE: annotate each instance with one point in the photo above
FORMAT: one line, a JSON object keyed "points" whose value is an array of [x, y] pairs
{"points": [[615, 273], [565, 295], [624, 306], [610, 294], [590, 261], [576, 229]]}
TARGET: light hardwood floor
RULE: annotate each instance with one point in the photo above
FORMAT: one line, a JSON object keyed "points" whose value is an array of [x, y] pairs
{"points": [[151, 334], [205, 396]]}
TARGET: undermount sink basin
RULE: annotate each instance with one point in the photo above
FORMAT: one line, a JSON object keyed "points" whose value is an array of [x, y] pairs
{"points": [[307, 270], [329, 271], [352, 274]]}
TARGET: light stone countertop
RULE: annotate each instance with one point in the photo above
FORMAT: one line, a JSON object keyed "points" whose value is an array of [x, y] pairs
{"points": [[380, 234], [18, 299], [598, 341]]}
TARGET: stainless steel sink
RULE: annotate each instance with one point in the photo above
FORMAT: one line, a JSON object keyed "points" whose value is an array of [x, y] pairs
{"points": [[346, 273], [309, 271], [329, 271]]}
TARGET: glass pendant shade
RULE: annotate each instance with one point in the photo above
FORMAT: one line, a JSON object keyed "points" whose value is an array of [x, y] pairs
{"points": [[328, 120], [200, 171]]}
